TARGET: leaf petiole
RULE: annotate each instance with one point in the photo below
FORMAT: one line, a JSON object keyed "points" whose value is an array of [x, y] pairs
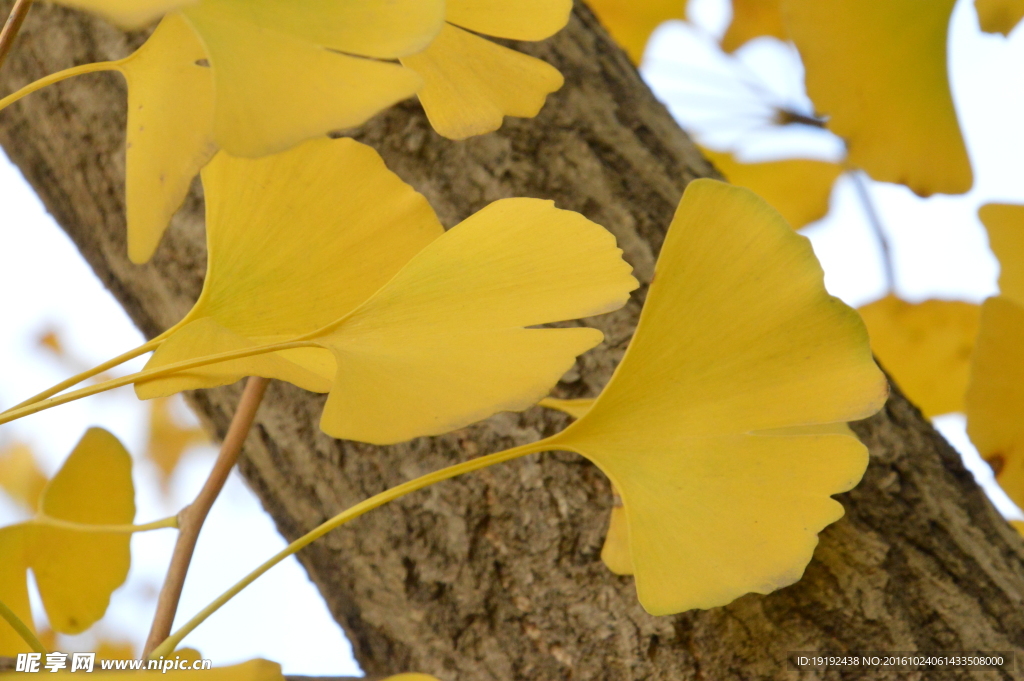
{"points": [[147, 375], [22, 629], [56, 78], [48, 521], [89, 373], [345, 516]]}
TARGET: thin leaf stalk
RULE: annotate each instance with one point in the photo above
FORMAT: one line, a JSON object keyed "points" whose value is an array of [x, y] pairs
{"points": [[89, 373], [147, 375], [376, 501], [162, 524], [37, 85], [23, 630]]}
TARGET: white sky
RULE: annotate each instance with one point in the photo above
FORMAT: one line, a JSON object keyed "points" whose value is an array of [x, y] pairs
{"points": [[939, 248]]}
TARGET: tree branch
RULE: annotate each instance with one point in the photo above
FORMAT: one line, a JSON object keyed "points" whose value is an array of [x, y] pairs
{"points": [[192, 517]]}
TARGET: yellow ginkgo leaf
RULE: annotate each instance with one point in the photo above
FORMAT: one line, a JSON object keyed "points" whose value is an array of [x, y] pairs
{"points": [[999, 16], [408, 343], [752, 19], [631, 22], [995, 394], [170, 129], [723, 428], [798, 188], [926, 347], [1005, 226], [253, 77], [469, 83], [877, 70], [1018, 525], [128, 14], [288, 253], [75, 571], [444, 343], [20, 476], [279, 84]]}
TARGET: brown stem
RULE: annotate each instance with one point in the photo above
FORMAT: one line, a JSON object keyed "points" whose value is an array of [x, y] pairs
{"points": [[191, 518], [11, 28]]}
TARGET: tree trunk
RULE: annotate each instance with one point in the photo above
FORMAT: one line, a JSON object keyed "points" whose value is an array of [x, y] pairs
{"points": [[497, 575]]}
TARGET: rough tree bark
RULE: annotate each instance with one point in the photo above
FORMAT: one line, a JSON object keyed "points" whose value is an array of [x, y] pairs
{"points": [[497, 576]]}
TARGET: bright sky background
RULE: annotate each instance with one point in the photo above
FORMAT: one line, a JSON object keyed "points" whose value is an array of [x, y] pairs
{"points": [[940, 250]]}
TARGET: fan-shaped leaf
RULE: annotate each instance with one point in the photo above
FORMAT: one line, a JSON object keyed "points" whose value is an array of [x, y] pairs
{"points": [[723, 427], [75, 571], [289, 254], [877, 70], [926, 347], [443, 344], [470, 84]]}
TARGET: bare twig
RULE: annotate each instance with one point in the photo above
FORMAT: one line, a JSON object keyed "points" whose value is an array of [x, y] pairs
{"points": [[191, 518], [876, 225], [11, 28]]}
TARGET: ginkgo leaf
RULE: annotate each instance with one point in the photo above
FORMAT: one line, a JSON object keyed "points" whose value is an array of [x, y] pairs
{"points": [[877, 71], [275, 87], [129, 14], [419, 342], [752, 19], [995, 394], [444, 343], [470, 84], [253, 77], [926, 347], [798, 188], [631, 22], [723, 427], [999, 16], [288, 254], [1018, 525], [75, 571], [170, 129], [1005, 226], [20, 476]]}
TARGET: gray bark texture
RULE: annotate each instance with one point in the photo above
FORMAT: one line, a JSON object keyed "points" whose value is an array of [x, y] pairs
{"points": [[497, 575]]}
